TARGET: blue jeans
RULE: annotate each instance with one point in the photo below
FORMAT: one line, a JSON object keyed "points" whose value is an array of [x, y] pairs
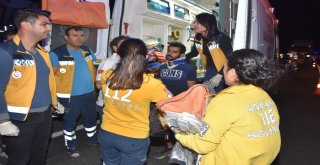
{"points": [[121, 150], [84, 105]]}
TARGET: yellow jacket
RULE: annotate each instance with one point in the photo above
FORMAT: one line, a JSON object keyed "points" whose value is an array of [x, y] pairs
{"points": [[126, 112], [242, 128], [218, 57], [20, 89]]}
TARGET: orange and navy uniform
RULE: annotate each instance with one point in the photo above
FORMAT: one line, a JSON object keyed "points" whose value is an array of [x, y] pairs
{"points": [[20, 89], [64, 76]]}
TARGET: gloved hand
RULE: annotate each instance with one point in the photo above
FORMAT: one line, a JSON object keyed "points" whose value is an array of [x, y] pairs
{"points": [[9, 129], [215, 80], [210, 87], [170, 95], [59, 108]]}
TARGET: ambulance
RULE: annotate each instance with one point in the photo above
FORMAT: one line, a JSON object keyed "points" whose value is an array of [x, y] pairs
{"points": [[249, 23]]}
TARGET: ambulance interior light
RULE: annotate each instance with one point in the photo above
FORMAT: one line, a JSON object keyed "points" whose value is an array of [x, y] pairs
{"points": [[159, 6], [181, 12]]}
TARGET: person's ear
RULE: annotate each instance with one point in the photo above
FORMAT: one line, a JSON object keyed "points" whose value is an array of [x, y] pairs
{"points": [[233, 75], [65, 37], [114, 48], [25, 25]]}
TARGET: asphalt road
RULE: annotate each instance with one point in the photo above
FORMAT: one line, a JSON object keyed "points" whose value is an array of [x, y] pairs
{"points": [[299, 112]]}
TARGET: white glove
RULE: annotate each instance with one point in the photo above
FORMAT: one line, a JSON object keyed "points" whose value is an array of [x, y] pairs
{"points": [[59, 108], [215, 80], [9, 129]]}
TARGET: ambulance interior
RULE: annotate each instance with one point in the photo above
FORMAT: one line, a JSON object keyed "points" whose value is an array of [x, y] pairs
{"points": [[159, 22]]}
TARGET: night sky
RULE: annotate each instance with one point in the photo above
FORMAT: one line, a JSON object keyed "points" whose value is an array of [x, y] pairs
{"points": [[297, 21]]}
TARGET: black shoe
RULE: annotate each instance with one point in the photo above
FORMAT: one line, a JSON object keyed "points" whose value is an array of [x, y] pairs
{"points": [[162, 154], [73, 153]]}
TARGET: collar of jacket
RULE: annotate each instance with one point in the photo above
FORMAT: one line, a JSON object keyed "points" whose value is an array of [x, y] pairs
{"points": [[238, 89], [20, 48], [209, 38], [214, 36]]}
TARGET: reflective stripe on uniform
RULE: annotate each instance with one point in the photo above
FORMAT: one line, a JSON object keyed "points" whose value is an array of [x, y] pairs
{"points": [[90, 129], [70, 137], [68, 133], [63, 95], [91, 134], [66, 62], [15, 109]]}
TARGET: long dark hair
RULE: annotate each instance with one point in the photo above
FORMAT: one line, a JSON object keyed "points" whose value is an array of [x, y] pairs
{"points": [[210, 22], [129, 71], [252, 67]]}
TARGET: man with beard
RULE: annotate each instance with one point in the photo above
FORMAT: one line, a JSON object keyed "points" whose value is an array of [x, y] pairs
{"points": [[177, 75], [27, 89]]}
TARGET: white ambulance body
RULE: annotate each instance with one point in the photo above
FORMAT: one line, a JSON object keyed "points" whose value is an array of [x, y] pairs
{"points": [[255, 27]]}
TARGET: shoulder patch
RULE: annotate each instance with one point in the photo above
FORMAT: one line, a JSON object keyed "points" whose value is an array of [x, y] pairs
{"points": [[203, 129]]}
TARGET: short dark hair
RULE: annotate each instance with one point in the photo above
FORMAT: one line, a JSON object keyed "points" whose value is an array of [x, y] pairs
{"points": [[252, 67], [28, 15], [179, 45], [116, 40], [76, 28], [132, 65], [209, 21]]}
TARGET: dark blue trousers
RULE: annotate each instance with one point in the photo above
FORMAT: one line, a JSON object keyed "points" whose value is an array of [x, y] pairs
{"points": [[121, 150], [31, 145], [84, 106]]}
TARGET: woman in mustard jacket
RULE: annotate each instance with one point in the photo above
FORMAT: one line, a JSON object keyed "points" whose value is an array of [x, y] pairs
{"points": [[128, 92], [213, 46], [241, 124]]}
